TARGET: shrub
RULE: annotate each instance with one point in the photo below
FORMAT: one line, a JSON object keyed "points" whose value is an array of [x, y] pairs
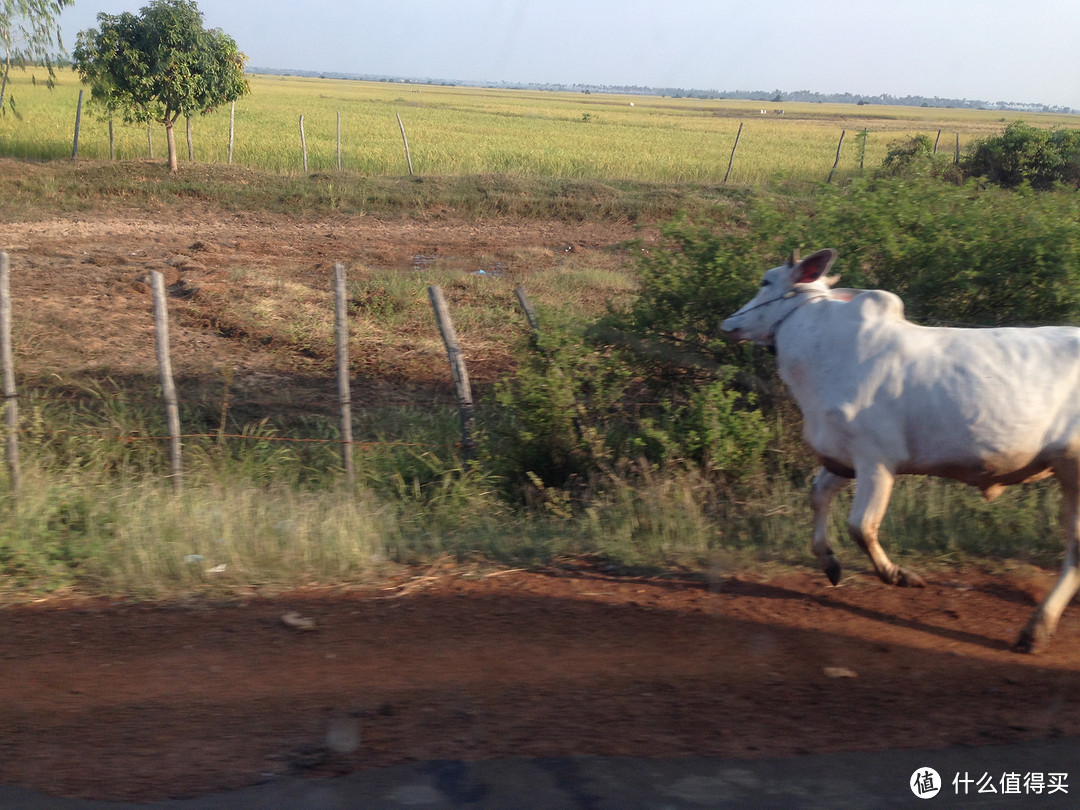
{"points": [[1025, 154], [960, 255], [585, 413]]}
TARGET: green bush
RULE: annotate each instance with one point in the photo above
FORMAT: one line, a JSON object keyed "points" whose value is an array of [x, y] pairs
{"points": [[914, 157], [960, 255], [578, 412], [1026, 154]]}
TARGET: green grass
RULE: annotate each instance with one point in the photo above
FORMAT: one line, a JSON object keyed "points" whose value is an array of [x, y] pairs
{"points": [[243, 522], [97, 514], [457, 131]]}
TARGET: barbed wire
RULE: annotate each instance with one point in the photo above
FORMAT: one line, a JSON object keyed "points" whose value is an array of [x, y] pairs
{"points": [[253, 437], [330, 402]]}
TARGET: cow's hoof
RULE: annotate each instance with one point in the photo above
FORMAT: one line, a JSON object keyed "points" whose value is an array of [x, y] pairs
{"points": [[909, 579], [832, 571], [1032, 640]]}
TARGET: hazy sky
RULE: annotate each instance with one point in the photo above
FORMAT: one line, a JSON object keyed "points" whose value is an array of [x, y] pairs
{"points": [[994, 50]]}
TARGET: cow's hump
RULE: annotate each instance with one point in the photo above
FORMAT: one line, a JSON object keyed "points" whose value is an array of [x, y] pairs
{"points": [[878, 305]]}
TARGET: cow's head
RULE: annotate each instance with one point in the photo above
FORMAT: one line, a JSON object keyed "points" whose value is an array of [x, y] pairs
{"points": [[783, 290]]}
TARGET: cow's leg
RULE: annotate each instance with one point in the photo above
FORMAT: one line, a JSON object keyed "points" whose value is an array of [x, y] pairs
{"points": [[873, 486], [1043, 623], [825, 488]]}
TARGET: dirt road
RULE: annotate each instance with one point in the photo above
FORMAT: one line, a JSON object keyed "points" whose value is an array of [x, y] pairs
{"points": [[119, 700]]}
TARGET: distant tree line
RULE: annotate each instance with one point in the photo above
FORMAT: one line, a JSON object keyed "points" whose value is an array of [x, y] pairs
{"points": [[769, 96]]}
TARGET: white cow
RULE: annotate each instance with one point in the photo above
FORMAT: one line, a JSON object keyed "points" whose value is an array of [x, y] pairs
{"points": [[881, 397]]}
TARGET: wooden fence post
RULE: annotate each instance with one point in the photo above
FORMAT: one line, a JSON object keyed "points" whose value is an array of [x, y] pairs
{"points": [[303, 143], [864, 135], [112, 142], [341, 330], [408, 157], [232, 128], [731, 160], [11, 403], [149, 140], [837, 161], [956, 159], [190, 144], [938, 138], [457, 370], [168, 390], [78, 122], [339, 141], [527, 308]]}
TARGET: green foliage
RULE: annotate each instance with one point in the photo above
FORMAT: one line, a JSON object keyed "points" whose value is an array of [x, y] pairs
{"points": [[160, 65], [583, 411], [696, 278], [1026, 154], [555, 413], [956, 254], [963, 255], [902, 155], [718, 429], [910, 157], [29, 33]]}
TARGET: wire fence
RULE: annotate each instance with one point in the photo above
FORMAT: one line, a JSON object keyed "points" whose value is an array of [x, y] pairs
{"points": [[171, 402]]}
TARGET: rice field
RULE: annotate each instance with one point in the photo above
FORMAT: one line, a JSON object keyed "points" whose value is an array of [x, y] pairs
{"points": [[476, 131]]}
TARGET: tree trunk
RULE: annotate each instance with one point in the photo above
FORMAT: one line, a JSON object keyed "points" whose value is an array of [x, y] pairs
{"points": [[3, 87], [170, 137]]}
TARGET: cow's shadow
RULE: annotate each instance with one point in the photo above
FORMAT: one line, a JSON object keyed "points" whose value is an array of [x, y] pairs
{"points": [[763, 590], [767, 591]]}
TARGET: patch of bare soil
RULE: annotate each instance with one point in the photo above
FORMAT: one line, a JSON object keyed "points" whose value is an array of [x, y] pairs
{"points": [[82, 304], [120, 700]]}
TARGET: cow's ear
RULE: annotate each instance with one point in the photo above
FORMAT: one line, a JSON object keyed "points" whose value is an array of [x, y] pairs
{"points": [[813, 267]]}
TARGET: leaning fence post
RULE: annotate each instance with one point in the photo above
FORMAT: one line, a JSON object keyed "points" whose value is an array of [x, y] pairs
{"points": [[408, 158], [78, 122], [341, 330], [530, 313], [731, 160], [837, 161], [11, 403], [457, 370], [168, 390]]}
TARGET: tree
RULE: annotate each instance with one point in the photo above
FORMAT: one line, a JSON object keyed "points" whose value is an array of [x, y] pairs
{"points": [[28, 33], [159, 65]]}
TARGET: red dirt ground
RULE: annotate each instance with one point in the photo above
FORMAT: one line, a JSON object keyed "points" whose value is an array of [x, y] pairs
{"points": [[118, 700]]}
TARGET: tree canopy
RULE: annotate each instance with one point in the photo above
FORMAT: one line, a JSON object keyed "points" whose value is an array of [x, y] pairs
{"points": [[159, 65], [28, 33]]}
